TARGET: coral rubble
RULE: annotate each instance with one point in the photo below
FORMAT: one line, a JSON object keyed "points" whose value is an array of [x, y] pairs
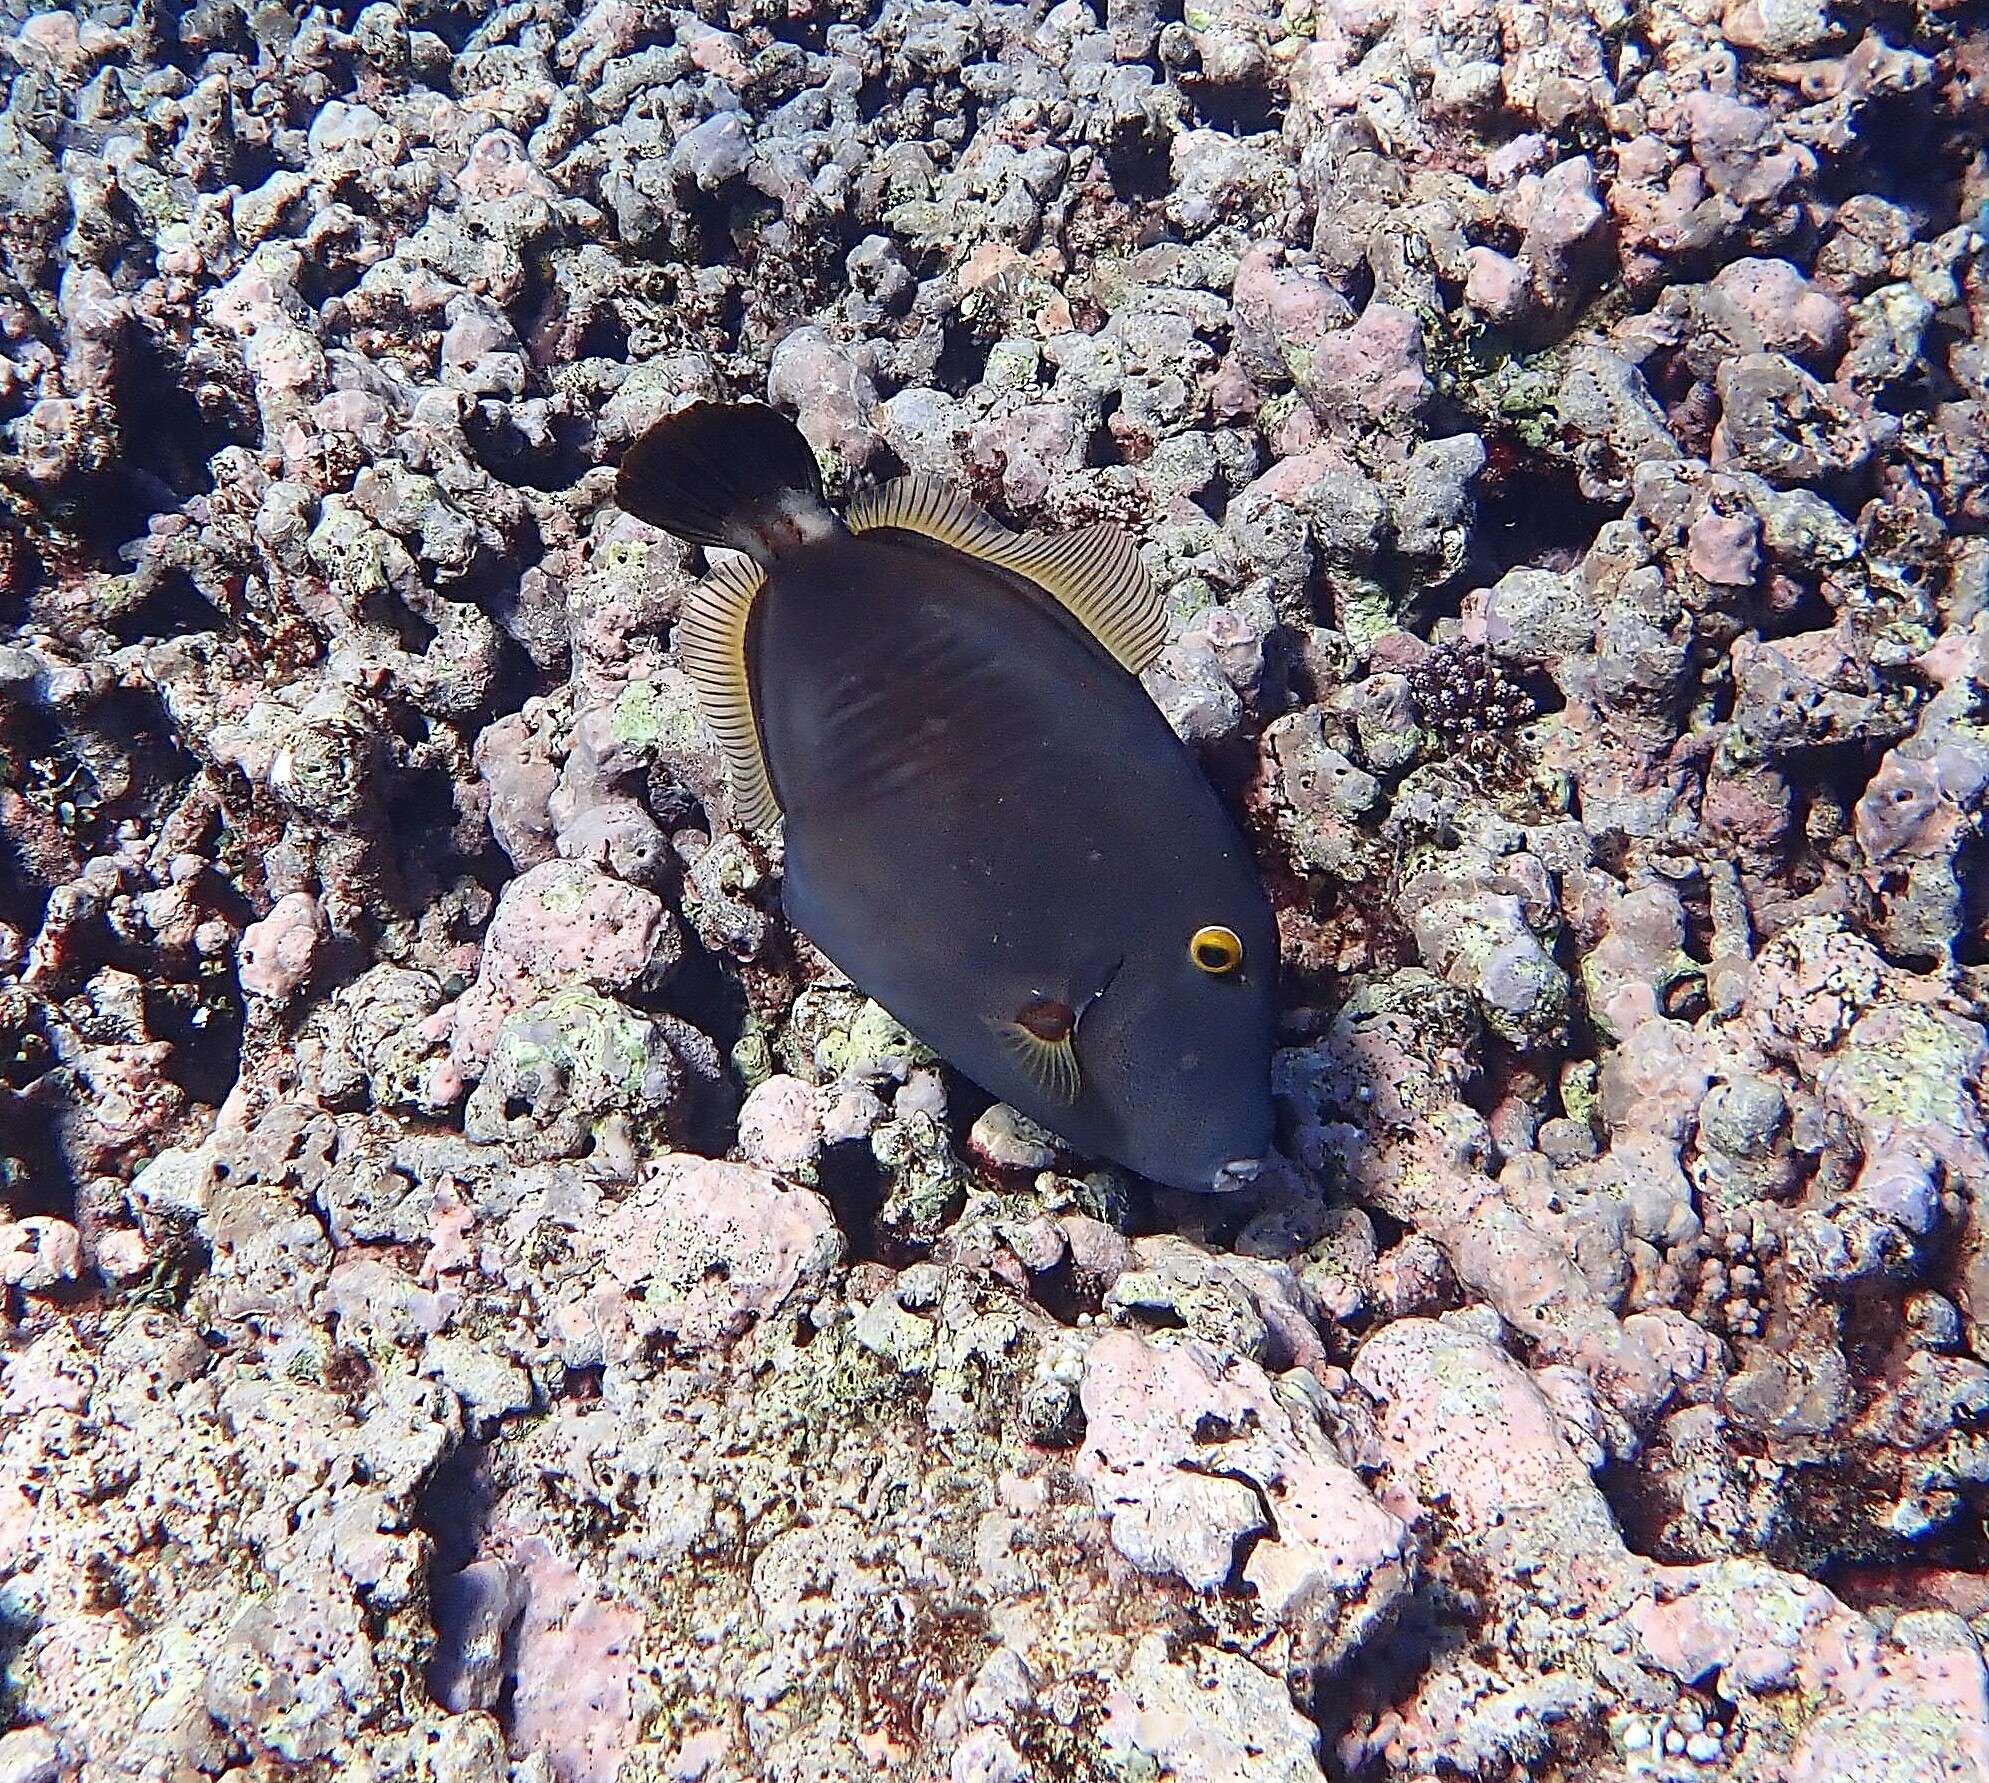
{"points": [[484, 1301]]}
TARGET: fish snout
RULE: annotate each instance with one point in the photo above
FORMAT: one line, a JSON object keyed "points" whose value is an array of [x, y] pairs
{"points": [[1238, 1173]]}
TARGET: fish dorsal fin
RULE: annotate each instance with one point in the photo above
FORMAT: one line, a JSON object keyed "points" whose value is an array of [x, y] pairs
{"points": [[1094, 573], [712, 632], [936, 509], [1097, 574]]}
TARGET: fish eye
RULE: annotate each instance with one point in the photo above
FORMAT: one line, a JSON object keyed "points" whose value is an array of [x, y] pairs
{"points": [[1216, 950]]}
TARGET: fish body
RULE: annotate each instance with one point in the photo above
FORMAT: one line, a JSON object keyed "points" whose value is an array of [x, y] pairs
{"points": [[989, 826]]}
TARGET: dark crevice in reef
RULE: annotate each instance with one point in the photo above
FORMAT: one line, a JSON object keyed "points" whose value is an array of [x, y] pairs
{"points": [[205, 1033], [34, 760], [962, 361], [518, 678], [855, 1190], [966, 1102], [422, 809], [705, 993], [874, 94], [492, 586], [75, 781], [1638, 1505], [456, 1505], [1906, 150], [536, 301], [1531, 511], [434, 847], [1920, 1573], [1240, 110], [251, 164], [1538, 688], [21, 569], [167, 444], [1104, 449], [35, 1175], [1429, 1626], [413, 631], [1972, 874], [15, 1632], [134, 721], [23, 892], [555, 336], [884, 467], [1213, 502], [1832, 774], [172, 608], [456, 22], [510, 457], [811, 32], [324, 279], [1140, 171], [715, 228], [455, 1509], [108, 513]]}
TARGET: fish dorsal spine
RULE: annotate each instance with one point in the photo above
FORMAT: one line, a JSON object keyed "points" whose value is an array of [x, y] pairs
{"points": [[1094, 573]]}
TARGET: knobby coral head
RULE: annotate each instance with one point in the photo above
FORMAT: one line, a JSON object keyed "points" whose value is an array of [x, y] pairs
{"points": [[605, 1145]]}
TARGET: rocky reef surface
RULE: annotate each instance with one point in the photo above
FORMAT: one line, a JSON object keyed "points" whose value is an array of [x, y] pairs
{"points": [[484, 1301]]}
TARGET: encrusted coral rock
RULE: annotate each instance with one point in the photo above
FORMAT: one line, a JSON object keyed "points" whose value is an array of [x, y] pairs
{"points": [[562, 923], [279, 953], [1558, 434], [1217, 1717], [1191, 1457], [577, 1072], [700, 1250]]}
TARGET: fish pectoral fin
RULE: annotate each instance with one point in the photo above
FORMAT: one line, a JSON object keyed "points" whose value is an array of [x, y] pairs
{"points": [[1094, 574], [712, 638], [1051, 1065]]}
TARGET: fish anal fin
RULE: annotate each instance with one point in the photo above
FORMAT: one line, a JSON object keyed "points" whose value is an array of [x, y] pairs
{"points": [[712, 638], [1094, 573]]}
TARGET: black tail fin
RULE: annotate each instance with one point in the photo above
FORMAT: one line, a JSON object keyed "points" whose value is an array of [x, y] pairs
{"points": [[735, 474]]}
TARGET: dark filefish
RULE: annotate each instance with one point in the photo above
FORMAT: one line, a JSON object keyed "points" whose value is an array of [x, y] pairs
{"points": [[988, 824]]}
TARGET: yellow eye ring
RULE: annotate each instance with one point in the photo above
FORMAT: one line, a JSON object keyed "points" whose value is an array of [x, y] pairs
{"points": [[1216, 950]]}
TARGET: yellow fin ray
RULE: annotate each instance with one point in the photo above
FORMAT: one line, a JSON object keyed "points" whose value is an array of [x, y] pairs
{"points": [[1050, 1064], [929, 506], [1094, 573], [712, 637]]}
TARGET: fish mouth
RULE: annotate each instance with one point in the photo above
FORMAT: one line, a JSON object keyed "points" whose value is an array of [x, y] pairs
{"points": [[1238, 1173]]}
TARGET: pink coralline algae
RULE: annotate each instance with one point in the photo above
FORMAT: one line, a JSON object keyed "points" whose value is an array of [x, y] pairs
{"points": [[562, 924], [700, 1252], [572, 1658], [485, 1301], [1189, 1464], [278, 953]]}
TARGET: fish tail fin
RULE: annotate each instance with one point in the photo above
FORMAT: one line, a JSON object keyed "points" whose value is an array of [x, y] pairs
{"points": [[732, 474]]}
